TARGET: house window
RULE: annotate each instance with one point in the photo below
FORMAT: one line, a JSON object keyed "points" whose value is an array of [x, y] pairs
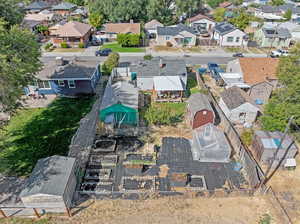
{"points": [[237, 39], [43, 84], [229, 39], [167, 37], [61, 83], [71, 84]]}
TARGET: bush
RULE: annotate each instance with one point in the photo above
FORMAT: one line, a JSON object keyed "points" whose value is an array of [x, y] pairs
{"points": [[64, 45], [111, 62], [247, 136], [128, 39], [169, 44], [148, 57], [48, 46], [81, 45], [266, 219]]}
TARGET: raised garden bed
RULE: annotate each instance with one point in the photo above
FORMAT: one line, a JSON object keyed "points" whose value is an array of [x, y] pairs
{"points": [[104, 145], [139, 159], [138, 184], [103, 160]]}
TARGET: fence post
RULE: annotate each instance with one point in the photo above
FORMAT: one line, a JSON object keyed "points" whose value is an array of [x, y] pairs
{"points": [[2, 213], [68, 212], [36, 213]]}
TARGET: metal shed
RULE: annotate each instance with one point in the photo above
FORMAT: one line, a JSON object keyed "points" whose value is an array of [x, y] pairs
{"points": [[51, 184], [200, 111]]}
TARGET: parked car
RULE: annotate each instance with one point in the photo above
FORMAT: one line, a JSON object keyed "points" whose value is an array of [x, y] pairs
{"points": [[103, 52], [95, 42], [278, 53], [238, 55]]}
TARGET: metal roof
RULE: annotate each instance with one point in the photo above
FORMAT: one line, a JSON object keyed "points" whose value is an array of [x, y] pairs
{"points": [[174, 30], [49, 176], [197, 102], [168, 83]]}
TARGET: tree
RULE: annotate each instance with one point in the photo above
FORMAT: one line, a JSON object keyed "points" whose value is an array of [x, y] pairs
{"points": [[188, 7], [277, 2], [241, 21], [160, 10], [128, 39], [219, 14], [96, 19], [11, 12], [19, 61], [214, 3], [111, 62], [288, 14], [77, 2]]}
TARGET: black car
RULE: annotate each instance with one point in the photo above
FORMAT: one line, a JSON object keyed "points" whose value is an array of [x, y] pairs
{"points": [[238, 55], [103, 52]]}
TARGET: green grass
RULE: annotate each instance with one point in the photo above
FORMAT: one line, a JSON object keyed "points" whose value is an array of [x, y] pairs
{"points": [[117, 48], [37, 133], [67, 50]]}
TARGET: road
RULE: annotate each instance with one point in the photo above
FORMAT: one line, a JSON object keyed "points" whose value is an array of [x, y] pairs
{"points": [[189, 59]]}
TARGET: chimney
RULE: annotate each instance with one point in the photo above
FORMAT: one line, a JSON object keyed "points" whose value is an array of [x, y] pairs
{"points": [[131, 21], [59, 61]]}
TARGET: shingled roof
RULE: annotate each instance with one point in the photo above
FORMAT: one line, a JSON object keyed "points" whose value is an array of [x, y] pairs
{"points": [[198, 102], [64, 6], [123, 28], [174, 30], [73, 29], [198, 17]]}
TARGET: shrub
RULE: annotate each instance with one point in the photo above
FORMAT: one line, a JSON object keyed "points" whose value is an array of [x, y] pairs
{"points": [[247, 136], [148, 57], [64, 45], [48, 46], [169, 44], [111, 62], [266, 219], [81, 45], [128, 39]]}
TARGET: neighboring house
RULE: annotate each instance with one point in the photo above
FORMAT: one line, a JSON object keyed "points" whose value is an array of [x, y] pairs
{"points": [[292, 27], [266, 143], [238, 106], [111, 30], [261, 92], [37, 6], [79, 12], [72, 33], [247, 3], [272, 13], [201, 23], [228, 35], [51, 184], [255, 70], [66, 78], [178, 35], [226, 5], [209, 144], [273, 37], [151, 27], [64, 8], [199, 110], [232, 79], [42, 18]]}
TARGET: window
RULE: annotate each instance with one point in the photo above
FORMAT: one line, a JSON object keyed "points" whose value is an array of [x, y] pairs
{"points": [[229, 39], [71, 84], [61, 83], [237, 39], [167, 37], [43, 84]]}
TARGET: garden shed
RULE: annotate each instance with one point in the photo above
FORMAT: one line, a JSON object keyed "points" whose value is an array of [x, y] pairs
{"points": [[200, 111], [51, 184]]}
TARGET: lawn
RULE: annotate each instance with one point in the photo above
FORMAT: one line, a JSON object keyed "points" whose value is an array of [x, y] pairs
{"points": [[117, 48], [37, 133]]}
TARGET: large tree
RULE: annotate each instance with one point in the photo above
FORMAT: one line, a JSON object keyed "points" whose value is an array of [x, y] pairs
{"points": [[11, 12], [187, 7], [160, 10], [242, 20]]}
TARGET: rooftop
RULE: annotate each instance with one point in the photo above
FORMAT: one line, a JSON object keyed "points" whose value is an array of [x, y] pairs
{"points": [[174, 30], [197, 102], [198, 17], [122, 28], [153, 24], [73, 29], [276, 33], [64, 6], [224, 28], [38, 5], [168, 83]]}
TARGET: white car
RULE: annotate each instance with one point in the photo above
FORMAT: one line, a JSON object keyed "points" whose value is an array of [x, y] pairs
{"points": [[278, 53]]}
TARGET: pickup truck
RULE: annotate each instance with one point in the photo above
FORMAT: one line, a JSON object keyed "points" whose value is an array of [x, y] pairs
{"points": [[279, 53]]}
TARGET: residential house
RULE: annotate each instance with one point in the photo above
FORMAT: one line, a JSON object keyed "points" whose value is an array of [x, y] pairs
{"points": [[151, 27], [201, 23], [292, 27], [228, 35], [238, 106], [255, 70], [51, 184], [72, 33], [64, 8], [66, 78], [273, 37], [199, 110], [247, 3], [37, 6], [177, 35], [210, 144], [42, 18], [232, 79], [266, 143], [226, 5], [261, 92], [80, 12], [273, 13], [111, 30]]}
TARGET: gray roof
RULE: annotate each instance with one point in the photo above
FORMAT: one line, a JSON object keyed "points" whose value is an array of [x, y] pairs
{"points": [[122, 92], [281, 8], [224, 28], [49, 176], [198, 102], [73, 69], [39, 5], [64, 6], [174, 30], [276, 32], [151, 68]]}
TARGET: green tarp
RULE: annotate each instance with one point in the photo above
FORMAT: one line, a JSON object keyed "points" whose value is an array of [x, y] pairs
{"points": [[121, 114]]}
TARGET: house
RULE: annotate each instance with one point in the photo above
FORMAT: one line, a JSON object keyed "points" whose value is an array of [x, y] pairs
{"points": [[265, 144], [228, 35], [151, 27], [292, 27], [255, 70], [209, 144], [166, 88], [201, 23], [247, 3], [72, 33], [120, 102], [178, 35], [199, 110], [261, 92], [226, 5], [111, 30], [64, 8], [238, 106], [66, 78], [37, 6], [232, 79], [51, 184], [272, 13], [273, 37], [42, 18]]}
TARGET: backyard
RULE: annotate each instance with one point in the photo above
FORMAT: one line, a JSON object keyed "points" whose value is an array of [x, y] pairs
{"points": [[117, 48], [36, 133]]}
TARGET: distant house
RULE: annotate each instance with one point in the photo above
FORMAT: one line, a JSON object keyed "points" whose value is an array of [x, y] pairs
{"points": [[199, 110], [64, 8], [273, 37], [37, 6], [72, 33], [238, 106], [66, 78], [272, 13], [111, 30], [255, 70], [228, 35], [226, 5], [201, 23], [247, 3], [41, 18], [177, 35], [51, 184], [151, 27], [261, 92], [209, 144], [292, 27], [266, 143]]}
